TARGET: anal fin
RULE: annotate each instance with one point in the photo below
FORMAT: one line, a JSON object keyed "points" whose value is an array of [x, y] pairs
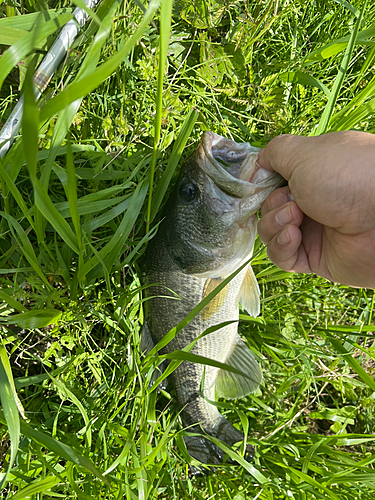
{"points": [[231, 385]]}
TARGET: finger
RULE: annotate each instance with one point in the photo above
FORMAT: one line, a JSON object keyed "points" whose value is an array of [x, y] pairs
{"points": [[283, 153], [310, 255], [276, 199], [283, 249], [273, 223]]}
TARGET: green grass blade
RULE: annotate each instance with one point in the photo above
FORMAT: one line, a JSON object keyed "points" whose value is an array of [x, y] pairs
{"points": [[60, 130], [194, 358], [87, 205], [349, 6], [124, 453], [352, 362], [27, 21], [9, 36], [328, 110], [139, 4], [27, 43], [177, 151], [334, 48], [37, 318], [109, 215], [72, 397], [339, 118], [12, 188], [132, 214], [47, 208], [9, 406], [147, 237], [93, 53], [162, 443], [71, 194], [102, 265], [165, 28], [14, 161], [25, 246], [179, 358], [315, 484], [360, 114], [6, 297], [366, 65], [304, 79], [30, 124], [21, 382], [61, 449], [62, 263], [94, 202], [37, 486], [258, 476], [110, 252]]}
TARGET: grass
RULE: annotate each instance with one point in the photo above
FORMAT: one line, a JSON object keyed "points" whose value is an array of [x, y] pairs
{"points": [[79, 203]]}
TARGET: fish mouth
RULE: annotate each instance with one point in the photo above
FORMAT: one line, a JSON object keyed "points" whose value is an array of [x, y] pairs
{"points": [[233, 167]]}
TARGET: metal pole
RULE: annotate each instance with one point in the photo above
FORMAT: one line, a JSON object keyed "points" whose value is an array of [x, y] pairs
{"points": [[45, 72]]}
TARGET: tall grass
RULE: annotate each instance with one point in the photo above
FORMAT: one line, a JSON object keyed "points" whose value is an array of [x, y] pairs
{"points": [[82, 189]]}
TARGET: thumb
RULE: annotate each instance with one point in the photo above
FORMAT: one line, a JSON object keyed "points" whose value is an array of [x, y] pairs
{"points": [[282, 154]]}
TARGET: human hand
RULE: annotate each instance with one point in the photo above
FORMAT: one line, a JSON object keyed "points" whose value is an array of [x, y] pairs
{"points": [[323, 222]]}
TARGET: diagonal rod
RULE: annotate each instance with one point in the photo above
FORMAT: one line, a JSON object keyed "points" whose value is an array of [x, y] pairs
{"points": [[45, 72]]}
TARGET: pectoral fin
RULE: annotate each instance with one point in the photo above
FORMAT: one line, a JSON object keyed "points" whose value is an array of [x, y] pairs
{"points": [[231, 385], [249, 293], [218, 301]]}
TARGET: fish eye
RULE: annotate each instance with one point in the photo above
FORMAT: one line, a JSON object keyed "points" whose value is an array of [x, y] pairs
{"points": [[188, 192]]}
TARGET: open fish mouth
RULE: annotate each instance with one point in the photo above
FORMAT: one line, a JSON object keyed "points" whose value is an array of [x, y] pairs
{"points": [[233, 167]]}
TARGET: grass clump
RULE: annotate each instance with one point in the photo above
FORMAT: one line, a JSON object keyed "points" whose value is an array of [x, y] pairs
{"points": [[78, 418]]}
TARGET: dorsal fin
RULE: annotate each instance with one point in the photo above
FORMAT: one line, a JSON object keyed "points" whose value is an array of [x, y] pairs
{"points": [[249, 293], [231, 385]]}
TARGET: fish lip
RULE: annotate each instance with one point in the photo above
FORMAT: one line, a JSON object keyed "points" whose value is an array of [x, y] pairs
{"points": [[241, 178]]}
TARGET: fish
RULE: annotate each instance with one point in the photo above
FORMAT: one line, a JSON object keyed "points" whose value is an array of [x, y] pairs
{"points": [[207, 232]]}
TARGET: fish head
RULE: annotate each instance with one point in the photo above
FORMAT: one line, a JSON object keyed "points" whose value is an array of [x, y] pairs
{"points": [[212, 215]]}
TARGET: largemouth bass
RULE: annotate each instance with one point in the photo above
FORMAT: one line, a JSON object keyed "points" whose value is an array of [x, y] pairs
{"points": [[208, 232]]}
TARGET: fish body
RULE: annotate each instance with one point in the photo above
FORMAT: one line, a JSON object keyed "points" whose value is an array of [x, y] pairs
{"points": [[208, 232]]}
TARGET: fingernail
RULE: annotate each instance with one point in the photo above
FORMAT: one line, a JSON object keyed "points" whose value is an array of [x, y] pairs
{"points": [[284, 238], [284, 216], [291, 197]]}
